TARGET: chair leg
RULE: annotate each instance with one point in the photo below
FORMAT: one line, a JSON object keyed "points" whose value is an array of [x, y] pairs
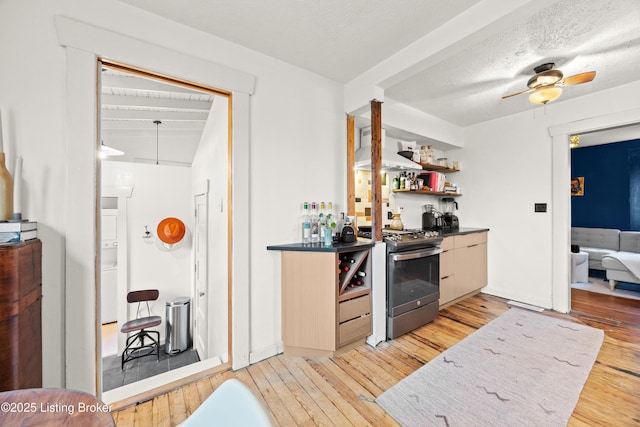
{"points": [[130, 350]]}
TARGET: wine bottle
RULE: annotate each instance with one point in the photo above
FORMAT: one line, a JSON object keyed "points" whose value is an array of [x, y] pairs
{"points": [[322, 221], [361, 273], [306, 224], [315, 231]]}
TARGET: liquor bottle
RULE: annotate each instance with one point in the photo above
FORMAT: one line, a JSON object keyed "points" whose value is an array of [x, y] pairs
{"points": [[306, 224], [322, 220], [315, 231], [331, 220]]}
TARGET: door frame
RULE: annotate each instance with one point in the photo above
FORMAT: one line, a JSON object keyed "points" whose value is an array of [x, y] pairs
{"points": [[201, 191], [561, 197], [85, 44]]}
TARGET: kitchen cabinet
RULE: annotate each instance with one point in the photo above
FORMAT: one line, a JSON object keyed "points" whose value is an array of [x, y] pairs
{"points": [[20, 315], [322, 314], [463, 266]]}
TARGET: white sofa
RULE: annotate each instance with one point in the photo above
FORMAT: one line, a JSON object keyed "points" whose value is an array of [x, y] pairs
{"points": [[614, 251]]}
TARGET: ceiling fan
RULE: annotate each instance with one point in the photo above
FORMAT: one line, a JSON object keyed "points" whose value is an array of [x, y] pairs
{"points": [[547, 84]]}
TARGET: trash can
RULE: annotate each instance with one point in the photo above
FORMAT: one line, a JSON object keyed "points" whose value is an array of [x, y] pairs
{"points": [[178, 321]]}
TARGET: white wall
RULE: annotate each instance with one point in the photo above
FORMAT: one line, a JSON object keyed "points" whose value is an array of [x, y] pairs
{"points": [[297, 131], [210, 166], [159, 192]]}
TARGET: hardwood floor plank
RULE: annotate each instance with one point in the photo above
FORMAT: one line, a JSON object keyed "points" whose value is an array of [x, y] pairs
{"points": [[161, 411], [339, 412], [302, 389], [144, 414], [204, 388], [274, 403], [352, 392], [191, 398], [341, 390], [127, 417], [176, 403]]}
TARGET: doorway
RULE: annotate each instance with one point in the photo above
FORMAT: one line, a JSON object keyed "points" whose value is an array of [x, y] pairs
{"points": [[161, 143], [561, 197]]}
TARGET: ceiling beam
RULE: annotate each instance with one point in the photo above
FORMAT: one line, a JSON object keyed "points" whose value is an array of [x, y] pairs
{"points": [[110, 81], [135, 115], [148, 102], [114, 125]]}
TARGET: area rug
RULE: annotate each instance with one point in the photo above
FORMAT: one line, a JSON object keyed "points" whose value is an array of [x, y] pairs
{"points": [[521, 369]]}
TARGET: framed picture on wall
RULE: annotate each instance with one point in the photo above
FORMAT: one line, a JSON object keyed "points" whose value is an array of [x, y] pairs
{"points": [[577, 186]]}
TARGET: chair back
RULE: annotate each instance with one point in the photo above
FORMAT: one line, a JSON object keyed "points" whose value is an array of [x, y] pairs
{"points": [[141, 296]]}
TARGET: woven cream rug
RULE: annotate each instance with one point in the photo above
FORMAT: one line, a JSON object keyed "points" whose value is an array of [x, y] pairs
{"points": [[521, 369]]}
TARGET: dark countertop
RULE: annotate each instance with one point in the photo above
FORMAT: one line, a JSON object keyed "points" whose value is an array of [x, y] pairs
{"points": [[464, 230], [361, 243]]}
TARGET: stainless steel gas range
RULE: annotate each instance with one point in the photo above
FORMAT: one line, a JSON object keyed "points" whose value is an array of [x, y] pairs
{"points": [[413, 279]]}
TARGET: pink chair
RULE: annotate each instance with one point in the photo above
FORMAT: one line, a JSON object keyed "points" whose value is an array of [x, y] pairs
{"points": [[136, 346]]}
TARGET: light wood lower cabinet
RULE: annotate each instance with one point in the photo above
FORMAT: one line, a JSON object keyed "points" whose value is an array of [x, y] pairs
{"points": [[463, 267], [322, 315]]}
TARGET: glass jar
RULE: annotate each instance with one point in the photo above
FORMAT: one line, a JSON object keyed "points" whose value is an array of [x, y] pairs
{"points": [[396, 222]]}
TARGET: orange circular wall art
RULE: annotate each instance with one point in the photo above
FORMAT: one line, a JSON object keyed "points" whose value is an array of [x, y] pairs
{"points": [[171, 230]]}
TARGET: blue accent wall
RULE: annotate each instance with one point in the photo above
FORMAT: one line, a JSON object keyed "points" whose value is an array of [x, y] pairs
{"points": [[611, 186]]}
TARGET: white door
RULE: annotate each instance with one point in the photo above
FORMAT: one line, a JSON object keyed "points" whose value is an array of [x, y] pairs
{"points": [[201, 319]]}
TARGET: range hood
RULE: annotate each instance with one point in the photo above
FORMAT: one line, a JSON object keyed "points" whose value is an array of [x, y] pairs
{"points": [[391, 160]]}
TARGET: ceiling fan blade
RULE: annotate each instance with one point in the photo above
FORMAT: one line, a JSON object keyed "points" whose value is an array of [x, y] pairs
{"points": [[577, 79], [518, 93]]}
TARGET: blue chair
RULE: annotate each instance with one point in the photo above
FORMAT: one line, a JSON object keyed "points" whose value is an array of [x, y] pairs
{"points": [[230, 405]]}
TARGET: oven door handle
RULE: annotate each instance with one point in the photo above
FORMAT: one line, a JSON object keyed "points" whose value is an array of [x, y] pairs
{"points": [[422, 253]]}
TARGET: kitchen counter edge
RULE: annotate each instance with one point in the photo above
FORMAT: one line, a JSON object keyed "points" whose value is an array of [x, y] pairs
{"points": [[464, 230], [361, 243]]}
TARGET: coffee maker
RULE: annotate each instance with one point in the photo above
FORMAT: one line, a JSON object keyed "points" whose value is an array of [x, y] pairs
{"points": [[431, 218], [450, 221]]}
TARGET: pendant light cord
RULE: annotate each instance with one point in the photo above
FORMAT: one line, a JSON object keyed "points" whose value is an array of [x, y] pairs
{"points": [[157, 122]]}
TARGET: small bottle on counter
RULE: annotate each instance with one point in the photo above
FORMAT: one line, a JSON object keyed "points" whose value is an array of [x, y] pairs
{"points": [[315, 228], [306, 224]]}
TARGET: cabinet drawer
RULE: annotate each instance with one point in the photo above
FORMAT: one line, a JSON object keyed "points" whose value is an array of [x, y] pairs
{"points": [[354, 330], [447, 243], [448, 292], [446, 263], [470, 239], [354, 308]]}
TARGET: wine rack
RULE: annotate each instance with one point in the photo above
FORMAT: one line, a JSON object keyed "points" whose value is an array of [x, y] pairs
{"points": [[357, 261]]}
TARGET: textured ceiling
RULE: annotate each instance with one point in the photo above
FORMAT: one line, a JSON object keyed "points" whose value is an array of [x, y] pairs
{"points": [[341, 39]]}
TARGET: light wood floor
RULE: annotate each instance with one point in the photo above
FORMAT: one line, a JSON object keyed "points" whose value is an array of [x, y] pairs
{"points": [[338, 391]]}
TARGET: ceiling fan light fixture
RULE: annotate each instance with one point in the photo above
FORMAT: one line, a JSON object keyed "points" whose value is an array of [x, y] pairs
{"points": [[545, 94], [545, 78]]}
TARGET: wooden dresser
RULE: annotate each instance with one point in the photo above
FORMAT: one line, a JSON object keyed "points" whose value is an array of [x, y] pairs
{"points": [[20, 315]]}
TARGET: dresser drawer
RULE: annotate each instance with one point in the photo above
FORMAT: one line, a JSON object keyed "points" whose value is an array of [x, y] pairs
{"points": [[354, 308], [353, 330], [446, 263], [447, 243], [471, 239]]}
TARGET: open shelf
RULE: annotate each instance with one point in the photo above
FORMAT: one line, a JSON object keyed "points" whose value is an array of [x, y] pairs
{"points": [[435, 193], [437, 168]]}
